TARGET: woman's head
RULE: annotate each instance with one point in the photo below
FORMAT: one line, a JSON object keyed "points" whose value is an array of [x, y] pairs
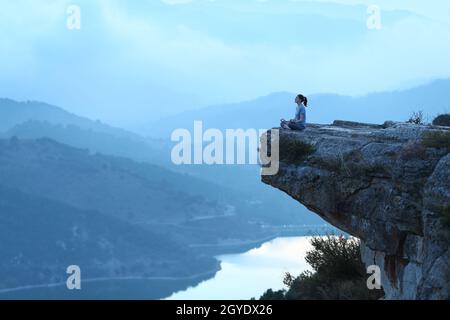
{"points": [[301, 99]]}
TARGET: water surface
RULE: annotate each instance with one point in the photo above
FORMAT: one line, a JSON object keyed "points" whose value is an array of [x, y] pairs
{"points": [[250, 274]]}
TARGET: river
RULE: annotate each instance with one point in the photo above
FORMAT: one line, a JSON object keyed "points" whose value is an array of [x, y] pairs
{"points": [[242, 276]]}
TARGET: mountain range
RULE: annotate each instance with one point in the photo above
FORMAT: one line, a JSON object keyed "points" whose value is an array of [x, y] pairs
{"points": [[34, 120], [265, 112]]}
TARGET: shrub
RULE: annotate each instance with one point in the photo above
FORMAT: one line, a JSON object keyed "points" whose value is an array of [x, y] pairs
{"points": [[442, 120], [273, 295], [336, 257], [416, 118], [295, 151], [352, 165], [436, 139], [338, 273]]}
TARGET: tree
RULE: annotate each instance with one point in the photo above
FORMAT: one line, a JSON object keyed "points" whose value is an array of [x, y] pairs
{"points": [[338, 273]]}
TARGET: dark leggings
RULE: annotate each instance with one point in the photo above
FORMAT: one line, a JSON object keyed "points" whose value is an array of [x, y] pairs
{"points": [[295, 126]]}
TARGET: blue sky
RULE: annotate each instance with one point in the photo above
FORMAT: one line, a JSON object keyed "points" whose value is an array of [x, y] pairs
{"points": [[138, 60]]}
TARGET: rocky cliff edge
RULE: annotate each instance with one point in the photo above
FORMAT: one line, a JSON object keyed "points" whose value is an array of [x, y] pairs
{"points": [[388, 185]]}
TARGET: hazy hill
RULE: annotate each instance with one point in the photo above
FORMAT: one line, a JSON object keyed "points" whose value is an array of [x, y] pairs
{"points": [[191, 210], [35, 119], [432, 98], [108, 143], [266, 112], [136, 192], [14, 112], [261, 202], [40, 238]]}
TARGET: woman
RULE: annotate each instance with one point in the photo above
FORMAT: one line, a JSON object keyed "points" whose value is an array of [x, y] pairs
{"points": [[299, 122]]}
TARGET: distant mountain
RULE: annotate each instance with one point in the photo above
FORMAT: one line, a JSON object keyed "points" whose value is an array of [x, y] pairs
{"points": [[432, 98], [36, 119], [13, 113], [41, 120], [128, 145], [265, 112], [191, 209], [135, 192], [40, 238]]}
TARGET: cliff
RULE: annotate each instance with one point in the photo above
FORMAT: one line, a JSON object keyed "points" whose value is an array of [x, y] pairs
{"points": [[388, 185]]}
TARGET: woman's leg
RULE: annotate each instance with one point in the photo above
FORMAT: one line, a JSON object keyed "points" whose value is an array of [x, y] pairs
{"points": [[284, 124], [295, 126]]}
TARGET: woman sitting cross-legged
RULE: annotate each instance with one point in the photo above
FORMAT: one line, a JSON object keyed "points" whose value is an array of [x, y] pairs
{"points": [[299, 122]]}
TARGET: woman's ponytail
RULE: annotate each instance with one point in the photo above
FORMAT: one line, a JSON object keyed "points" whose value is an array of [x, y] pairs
{"points": [[303, 99]]}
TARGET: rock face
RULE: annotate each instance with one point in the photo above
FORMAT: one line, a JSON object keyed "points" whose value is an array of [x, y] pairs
{"points": [[384, 185]]}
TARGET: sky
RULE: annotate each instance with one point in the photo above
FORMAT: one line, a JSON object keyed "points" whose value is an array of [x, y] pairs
{"points": [[136, 61]]}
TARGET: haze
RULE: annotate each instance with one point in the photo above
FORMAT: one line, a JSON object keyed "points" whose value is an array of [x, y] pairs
{"points": [[135, 62]]}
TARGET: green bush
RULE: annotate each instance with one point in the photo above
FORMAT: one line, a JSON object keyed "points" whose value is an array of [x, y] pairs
{"points": [[436, 139], [338, 273], [442, 120], [273, 295], [336, 257], [295, 151]]}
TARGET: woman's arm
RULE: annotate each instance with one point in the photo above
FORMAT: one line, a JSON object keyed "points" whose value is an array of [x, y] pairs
{"points": [[302, 117], [299, 116]]}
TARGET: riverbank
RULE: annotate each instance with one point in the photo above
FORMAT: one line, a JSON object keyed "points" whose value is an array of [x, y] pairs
{"points": [[144, 288]]}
